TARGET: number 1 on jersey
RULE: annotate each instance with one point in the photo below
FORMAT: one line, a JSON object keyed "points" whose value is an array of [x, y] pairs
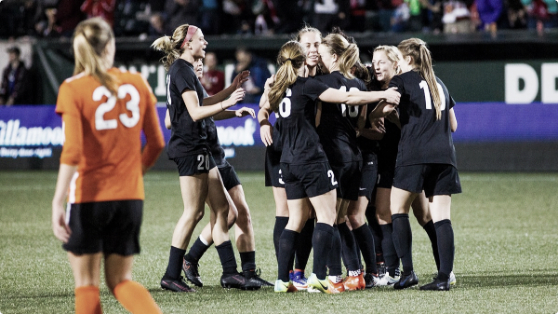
{"points": [[428, 99]]}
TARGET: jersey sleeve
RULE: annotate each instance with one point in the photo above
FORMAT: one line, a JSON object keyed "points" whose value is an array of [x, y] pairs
{"points": [[314, 88], [184, 79], [397, 81], [67, 107]]}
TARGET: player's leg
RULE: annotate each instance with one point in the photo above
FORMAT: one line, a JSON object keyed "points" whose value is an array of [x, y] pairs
{"points": [[132, 295], [303, 249], [402, 237], [194, 192], [421, 211], [86, 269]]}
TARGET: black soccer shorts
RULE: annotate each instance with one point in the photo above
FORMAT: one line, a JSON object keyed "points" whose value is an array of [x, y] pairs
{"points": [[434, 179], [348, 174], [194, 164], [308, 180], [111, 227], [273, 173], [369, 175], [229, 176]]}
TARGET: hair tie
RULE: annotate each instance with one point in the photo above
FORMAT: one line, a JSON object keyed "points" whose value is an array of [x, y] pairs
{"points": [[189, 34]]}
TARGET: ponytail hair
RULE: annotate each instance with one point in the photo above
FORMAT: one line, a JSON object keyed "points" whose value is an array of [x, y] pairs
{"points": [[172, 46], [347, 53], [416, 49], [291, 58], [89, 42]]}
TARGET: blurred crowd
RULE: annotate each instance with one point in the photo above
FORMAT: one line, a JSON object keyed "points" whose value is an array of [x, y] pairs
{"points": [[57, 18]]}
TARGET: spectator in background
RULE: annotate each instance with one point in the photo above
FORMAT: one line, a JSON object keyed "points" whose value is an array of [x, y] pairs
{"points": [[542, 14], [182, 11], [68, 15], [517, 14], [210, 17], [385, 12], [457, 18], [400, 17], [14, 88], [291, 16], [157, 25], [330, 13], [266, 17], [213, 79], [254, 86], [489, 13], [100, 8]]}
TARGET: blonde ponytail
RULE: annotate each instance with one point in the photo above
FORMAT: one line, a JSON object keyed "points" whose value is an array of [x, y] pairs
{"points": [[347, 53], [416, 49], [90, 41], [171, 45], [291, 58]]}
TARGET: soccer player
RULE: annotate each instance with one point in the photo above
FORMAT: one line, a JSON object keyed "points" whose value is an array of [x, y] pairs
{"points": [[425, 159], [104, 111], [304, 165], [189, 148], [310, 38], [239, 212], [337, 131]]}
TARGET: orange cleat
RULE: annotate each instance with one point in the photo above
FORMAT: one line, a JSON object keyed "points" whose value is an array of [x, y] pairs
{"points": [[352, 283], [336, 287]]}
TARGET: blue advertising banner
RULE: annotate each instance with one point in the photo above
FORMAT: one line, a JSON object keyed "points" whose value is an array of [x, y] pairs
{"points": [[33, 131]]}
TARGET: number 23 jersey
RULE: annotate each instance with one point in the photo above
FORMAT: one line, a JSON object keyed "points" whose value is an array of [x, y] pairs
{"points": [[103, 136], [424, 139]]}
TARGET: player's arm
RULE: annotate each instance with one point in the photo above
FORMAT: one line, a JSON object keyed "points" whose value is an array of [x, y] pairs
{"points": [[198, 112], [167, 119], [453, 120], [263, 119], [239, 113], [237, 82], [382, 109], [355, 98], [376, 131], [153, 136]]}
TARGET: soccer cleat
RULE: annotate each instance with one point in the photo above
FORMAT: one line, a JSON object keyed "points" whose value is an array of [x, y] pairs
{"points": [[191, 273], [317, 285], [336, 287], [452, 279], [176, 285], [406, 281], [235, 280], [254, 281], [371, 280], [299, 281], [388, 280], [352, 283], [437, 285], [283, 287]]}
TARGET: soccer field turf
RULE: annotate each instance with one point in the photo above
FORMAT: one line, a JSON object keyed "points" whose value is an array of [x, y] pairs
{"points": [[505, 237]]}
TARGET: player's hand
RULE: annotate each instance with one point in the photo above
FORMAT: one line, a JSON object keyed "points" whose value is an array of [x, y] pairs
{"points": [[377, 126], [245, 111], [61, 230], [235, 97], [240, 78], [392, 96], [266, 134]]}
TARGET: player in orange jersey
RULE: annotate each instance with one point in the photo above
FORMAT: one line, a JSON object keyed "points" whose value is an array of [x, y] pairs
{"points": [[104, 111]]}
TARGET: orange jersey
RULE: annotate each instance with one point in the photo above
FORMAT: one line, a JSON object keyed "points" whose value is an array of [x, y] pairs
{"points": [[103, 136]]}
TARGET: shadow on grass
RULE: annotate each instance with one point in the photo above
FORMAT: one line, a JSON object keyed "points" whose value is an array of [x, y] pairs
{"points": [[504, 279]]}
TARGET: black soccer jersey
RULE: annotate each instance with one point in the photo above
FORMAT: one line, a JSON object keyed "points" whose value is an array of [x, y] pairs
{"points": [[366, 145], [187, 137], [300, 142], [423, 138], [338, 122]]}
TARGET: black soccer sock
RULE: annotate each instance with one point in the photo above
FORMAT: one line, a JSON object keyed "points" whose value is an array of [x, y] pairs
{"points": [[226, 255], [322, 240], [334, 255], [431, 231], [389, 253], [348, 248], [248, 260], [280, 224], [376, 231], [403, 241], [196, 251], [304, 245], [365, 241], [286, 252], [174, 266], [446, 247]]}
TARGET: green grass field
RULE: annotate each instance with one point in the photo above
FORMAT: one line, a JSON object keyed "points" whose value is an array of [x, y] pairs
{"points": [[506, 253]]}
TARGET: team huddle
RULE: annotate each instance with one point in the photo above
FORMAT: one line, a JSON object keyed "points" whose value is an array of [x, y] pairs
{"points": [[350, 144]]}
